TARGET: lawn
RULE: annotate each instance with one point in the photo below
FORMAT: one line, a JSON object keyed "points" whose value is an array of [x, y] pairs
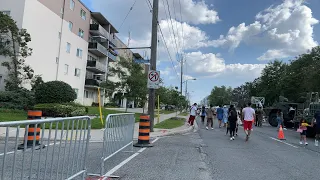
{"points": [[170, 123], [16, 115], [165, 111], [184, 114]]}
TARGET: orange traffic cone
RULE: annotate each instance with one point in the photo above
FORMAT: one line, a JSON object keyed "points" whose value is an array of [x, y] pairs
{"points": [[281, 134]]}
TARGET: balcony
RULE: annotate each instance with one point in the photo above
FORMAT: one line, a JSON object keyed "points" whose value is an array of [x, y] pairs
{"points": [[96, 66], [98, 30], [112, 57], [92, 83], [97, 49]]}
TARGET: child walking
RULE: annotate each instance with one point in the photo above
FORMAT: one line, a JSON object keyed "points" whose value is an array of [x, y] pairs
{"points": [[303, 131]]}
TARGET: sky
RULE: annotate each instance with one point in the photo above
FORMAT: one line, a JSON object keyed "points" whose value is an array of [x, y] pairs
{"points": [[223, 42]]}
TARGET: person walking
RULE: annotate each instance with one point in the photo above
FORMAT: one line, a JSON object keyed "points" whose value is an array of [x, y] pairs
{"points": [[220, 115], [303, 131], [316, 120], [210, 114], [232, 121], [248, 117], [260, 114], [193, 113], [225, 115], [203, 114], [280, 119]]}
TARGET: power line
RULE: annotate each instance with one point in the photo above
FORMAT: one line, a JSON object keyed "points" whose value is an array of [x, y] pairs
{"points": [[181, 25], [165, 43], [149, 5], [127, 14], [174, 35]]}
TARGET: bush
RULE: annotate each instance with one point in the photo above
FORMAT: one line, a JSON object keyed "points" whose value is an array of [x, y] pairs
{"points": [[61, 110], [54, 92], [111, 105], [21, 99], [94, 104]]}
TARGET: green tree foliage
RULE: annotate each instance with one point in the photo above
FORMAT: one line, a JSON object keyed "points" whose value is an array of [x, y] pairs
{"points": [[54, 92], [133, 80], [220, 95], [14, 45], [291, 80], [170, 96]]}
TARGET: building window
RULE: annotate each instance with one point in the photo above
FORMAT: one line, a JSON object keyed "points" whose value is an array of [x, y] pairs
{"points": [[68, 47], [83, 14], [77, 72], [81, 33], [70, 25], [76, 90], [6, 12], [66, 69], [72, 5], [79, 53]]}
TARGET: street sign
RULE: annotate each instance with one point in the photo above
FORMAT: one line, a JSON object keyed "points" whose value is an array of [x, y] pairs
{"points": [[153, 79]]}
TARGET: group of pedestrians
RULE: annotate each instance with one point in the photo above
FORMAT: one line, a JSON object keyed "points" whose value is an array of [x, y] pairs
{"points": [[228, 117]]}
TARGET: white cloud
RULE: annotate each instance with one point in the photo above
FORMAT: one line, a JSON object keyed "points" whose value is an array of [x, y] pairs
{"points": [[213, 65], [285, 30]]}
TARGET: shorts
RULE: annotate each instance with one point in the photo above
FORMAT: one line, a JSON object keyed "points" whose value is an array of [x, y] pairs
{"points": [[192, 118], [247, 125], [303, 133]]}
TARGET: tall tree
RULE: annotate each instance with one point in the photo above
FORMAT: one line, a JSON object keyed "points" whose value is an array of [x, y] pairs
{"points": [[14, 46], [133, 80], [220, 95]]}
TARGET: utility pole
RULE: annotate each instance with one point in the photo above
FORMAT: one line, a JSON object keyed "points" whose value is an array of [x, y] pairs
{"points": [[153, 60], [181, 74]]}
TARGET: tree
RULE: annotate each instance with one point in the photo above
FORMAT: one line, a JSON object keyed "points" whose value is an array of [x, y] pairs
{"points": [[54, 92], [133, 80], [220, 95], [14, 46]]}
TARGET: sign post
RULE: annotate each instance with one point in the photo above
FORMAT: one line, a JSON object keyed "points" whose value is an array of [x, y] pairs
{"points": [[153, 79]]}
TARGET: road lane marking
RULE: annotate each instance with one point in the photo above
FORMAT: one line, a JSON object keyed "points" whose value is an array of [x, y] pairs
{"points": [[284, 142], [109, 173]]}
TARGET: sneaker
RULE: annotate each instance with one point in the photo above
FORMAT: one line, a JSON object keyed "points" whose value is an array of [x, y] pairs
{"points": [[284, 128], [247, 138], [207, 128], [212, 128], [233, 138], [316, 143], [306, 143], [236, 134], [300, 142]]}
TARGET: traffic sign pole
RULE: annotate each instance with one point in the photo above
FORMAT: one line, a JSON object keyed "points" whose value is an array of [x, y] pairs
{"points": [[153, 60]]}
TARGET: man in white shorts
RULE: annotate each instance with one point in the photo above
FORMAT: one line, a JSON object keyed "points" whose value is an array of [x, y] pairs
{"points": [[248, 117]]}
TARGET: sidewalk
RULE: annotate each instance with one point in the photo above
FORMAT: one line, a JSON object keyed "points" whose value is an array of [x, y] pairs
{"points": [[97, 134]]}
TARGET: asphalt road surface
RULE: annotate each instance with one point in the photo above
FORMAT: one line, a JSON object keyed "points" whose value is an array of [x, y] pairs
{"points": [[209, 154]]}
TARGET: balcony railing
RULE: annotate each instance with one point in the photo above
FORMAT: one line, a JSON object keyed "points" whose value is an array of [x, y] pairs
{"points": [[98, 30], [96, 66], [98, 49], [112, 57], [92, 82]]}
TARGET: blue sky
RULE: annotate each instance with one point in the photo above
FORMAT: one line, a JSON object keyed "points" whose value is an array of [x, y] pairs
{"points": [[217, 54]]}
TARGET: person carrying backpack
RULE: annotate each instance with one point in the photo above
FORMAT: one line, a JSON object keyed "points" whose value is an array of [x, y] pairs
{"points": [[232, 119]]}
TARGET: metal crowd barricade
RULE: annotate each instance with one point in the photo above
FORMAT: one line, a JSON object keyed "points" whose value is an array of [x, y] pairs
{"points": [[118, 135], [62, 152]]}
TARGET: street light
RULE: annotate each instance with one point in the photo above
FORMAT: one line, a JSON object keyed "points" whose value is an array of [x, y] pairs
{"points": [[186, 81]]}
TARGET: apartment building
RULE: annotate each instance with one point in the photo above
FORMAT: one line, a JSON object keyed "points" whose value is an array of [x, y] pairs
{"points": [[60, 32], [102, 44]]}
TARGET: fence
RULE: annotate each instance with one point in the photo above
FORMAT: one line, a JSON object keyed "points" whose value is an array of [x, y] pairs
{"points": [[61, 154], [118, 135]]}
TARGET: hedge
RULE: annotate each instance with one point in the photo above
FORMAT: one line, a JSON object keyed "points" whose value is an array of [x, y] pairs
{"points": [[21, 99], [61, 110], [54, 92]]}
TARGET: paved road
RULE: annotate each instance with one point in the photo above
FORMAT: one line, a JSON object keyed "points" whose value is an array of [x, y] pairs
{"points": [[209, 154]]}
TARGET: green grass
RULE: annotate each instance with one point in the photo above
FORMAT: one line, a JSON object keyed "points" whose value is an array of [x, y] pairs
{"points": [[165, 111], [184, 114], [18, 115], [170, 123]]}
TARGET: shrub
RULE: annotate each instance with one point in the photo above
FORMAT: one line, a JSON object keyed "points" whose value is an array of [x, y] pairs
{"points": [[21, 99], [61, 110], [94, 104], [54, 92], [111, 105]]}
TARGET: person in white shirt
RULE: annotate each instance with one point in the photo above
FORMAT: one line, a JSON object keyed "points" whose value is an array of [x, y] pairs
{"points": [[248, 117], [193, 113]]}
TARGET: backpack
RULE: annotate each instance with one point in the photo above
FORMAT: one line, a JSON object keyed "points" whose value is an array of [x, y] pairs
{"points": [[233, 114]]}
